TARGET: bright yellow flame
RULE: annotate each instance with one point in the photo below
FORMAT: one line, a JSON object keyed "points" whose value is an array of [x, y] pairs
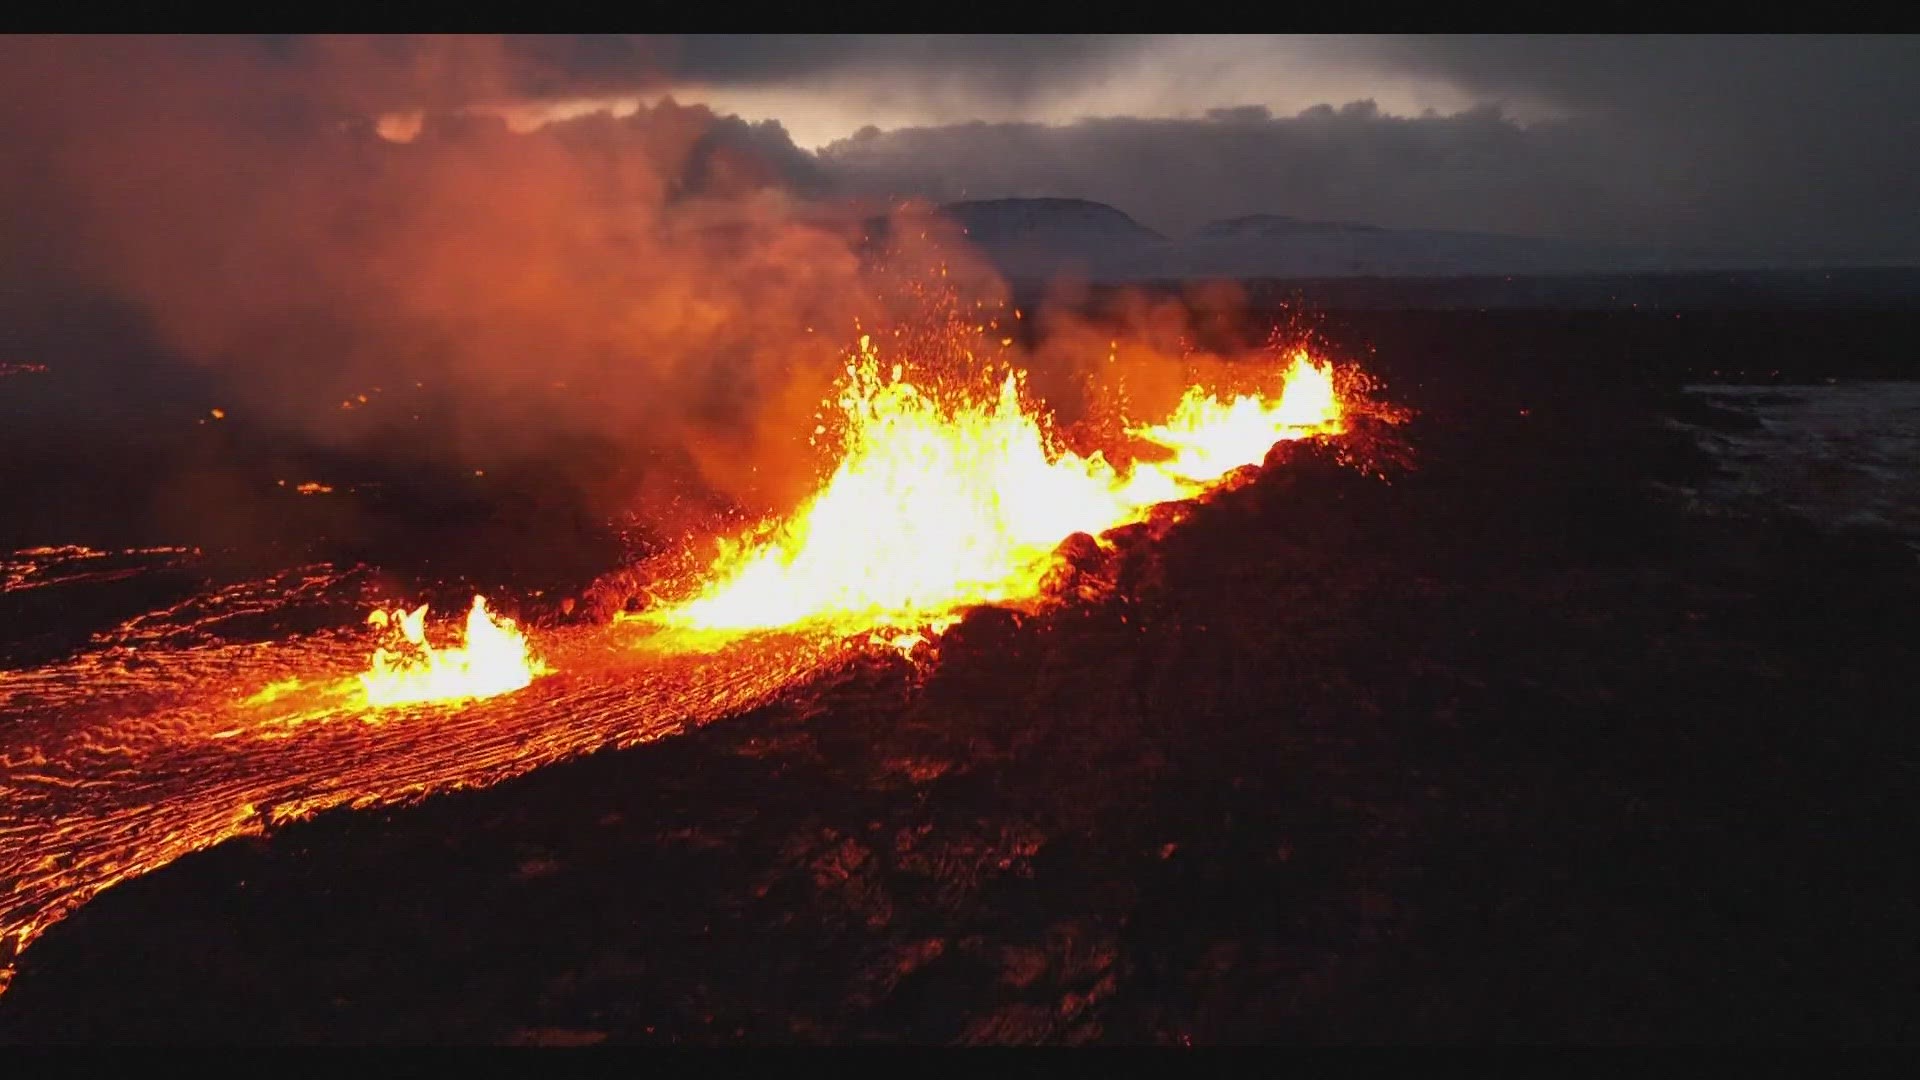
{"points": [[936, 505], [494, 659], [1210, 438]]}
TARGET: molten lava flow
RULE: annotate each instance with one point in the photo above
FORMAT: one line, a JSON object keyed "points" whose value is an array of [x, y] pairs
{"points": [[115, 763], [939, 504], [494, 660], [177, 730]]}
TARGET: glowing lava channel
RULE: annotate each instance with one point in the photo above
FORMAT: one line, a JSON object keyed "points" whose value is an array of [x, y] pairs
{"points": [[936, 505]]}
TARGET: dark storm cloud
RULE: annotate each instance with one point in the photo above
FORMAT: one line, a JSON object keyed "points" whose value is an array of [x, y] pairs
{"points": [[1763, 144], [1808, 139], [1006, 66], [1475, 170], [1603, 73]]}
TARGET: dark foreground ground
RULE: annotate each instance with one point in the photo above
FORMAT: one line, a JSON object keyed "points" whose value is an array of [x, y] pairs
{"points": [[1513, 747]]}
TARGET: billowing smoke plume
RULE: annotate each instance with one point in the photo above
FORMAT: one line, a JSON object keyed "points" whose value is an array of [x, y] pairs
{"points": [[351, 237]]}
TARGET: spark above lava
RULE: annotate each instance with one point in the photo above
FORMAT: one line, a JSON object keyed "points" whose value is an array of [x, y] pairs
{"points": [[940, 502]]}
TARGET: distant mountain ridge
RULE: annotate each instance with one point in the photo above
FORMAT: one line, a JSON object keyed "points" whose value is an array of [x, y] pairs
{"points": [[1001, 220], [1037, 239], [1274, 226]]}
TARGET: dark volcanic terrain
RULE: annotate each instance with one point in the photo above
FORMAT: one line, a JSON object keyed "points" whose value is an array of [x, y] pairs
{"points": [[1520, 744]]}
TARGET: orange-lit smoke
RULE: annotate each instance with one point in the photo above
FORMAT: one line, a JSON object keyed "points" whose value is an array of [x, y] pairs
{"points": [[327, 215]]}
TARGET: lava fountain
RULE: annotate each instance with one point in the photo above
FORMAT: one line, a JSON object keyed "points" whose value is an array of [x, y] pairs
{"points": [[940, 502], [494, 659]]}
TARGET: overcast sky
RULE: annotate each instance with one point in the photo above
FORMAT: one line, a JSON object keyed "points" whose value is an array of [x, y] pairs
{"points": [[1795, 145], [1763, 143]]}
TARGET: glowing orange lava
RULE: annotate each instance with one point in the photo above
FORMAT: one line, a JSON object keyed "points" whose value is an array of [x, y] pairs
{"points": [[939, 504], [1211, 438], [167, 738], [494, 660]]}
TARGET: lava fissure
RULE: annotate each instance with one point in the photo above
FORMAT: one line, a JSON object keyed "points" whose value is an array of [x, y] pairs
{"points": [[941, 503], [945, 496]]}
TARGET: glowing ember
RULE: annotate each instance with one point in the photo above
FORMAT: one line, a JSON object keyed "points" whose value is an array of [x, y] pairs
{"points": [[938, 505], [494, 660]]}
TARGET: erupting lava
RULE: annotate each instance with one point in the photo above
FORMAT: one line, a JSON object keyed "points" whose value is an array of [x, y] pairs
{"points": [[171, 736], [494, 660], [1211, 439], [939, 504]]}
